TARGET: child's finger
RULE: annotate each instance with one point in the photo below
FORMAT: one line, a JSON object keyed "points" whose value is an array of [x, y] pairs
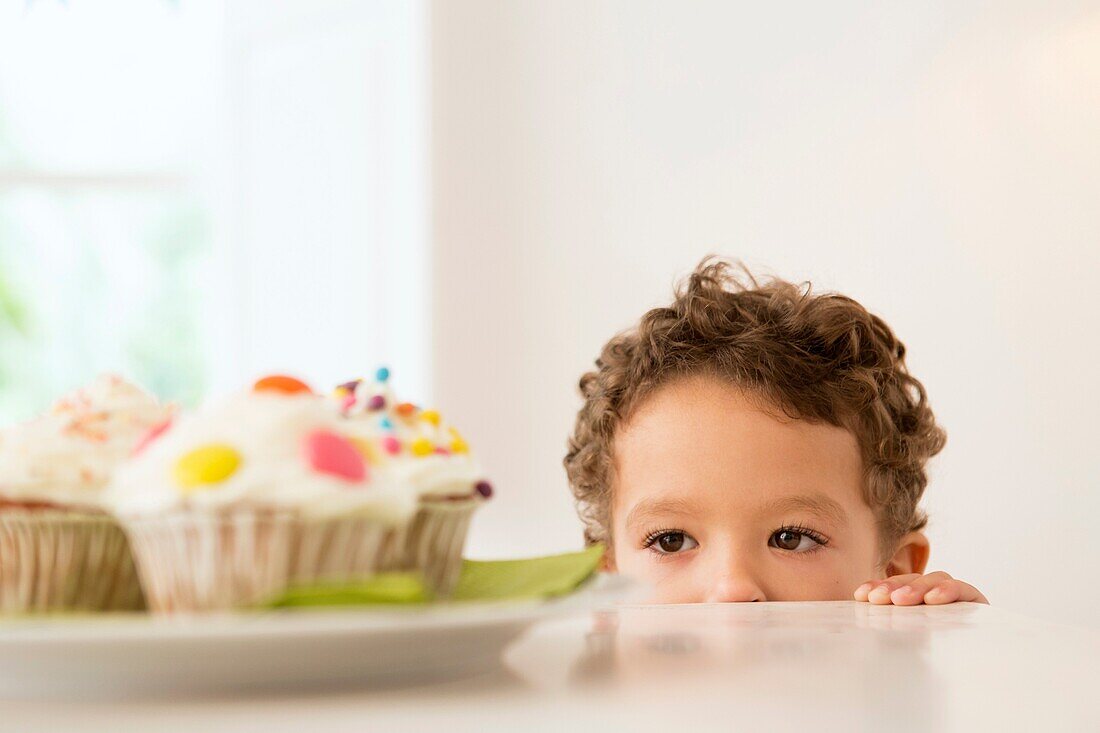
{"points": [[913, 592], [880, 590], [953, 591]]}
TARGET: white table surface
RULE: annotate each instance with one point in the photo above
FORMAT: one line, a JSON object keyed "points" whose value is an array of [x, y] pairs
{"points": [[794, 666]]}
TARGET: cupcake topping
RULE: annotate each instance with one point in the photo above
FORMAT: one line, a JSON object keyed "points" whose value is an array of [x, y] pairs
{"points": [[281, 383], [206, 465], [357, 450], [66, 456], [331, 453]]}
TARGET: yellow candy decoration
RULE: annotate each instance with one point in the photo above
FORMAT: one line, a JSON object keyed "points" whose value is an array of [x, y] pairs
{"points": [[458, 444], [208, 464], [422, 447], [431, 416]]}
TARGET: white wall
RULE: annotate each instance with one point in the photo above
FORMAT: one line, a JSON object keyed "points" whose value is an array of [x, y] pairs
{"points": [[940, 162], [324, 254]]}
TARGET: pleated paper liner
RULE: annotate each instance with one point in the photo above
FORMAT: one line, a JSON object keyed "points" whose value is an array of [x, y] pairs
{"points": [[58, 560], [213, 561]]}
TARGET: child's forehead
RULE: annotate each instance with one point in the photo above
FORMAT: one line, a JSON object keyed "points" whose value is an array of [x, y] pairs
{"points": [[699, 437]]}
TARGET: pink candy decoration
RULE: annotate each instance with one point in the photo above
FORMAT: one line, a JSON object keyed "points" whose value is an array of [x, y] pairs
{"points": [[150, 435], [328, 452], [391, 445], [348, 402]]}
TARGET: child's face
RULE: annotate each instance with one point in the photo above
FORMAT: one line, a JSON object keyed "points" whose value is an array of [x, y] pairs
{"points": [[716, 500]]}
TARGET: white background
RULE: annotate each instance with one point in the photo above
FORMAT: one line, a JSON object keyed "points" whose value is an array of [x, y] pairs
{"points": [[940, 162]]}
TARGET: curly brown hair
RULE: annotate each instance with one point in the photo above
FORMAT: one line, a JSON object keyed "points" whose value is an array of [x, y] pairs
{"points": [[816, 357]]}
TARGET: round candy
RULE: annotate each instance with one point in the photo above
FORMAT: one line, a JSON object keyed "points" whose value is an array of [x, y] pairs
{"points": [[422, 447], [377, 402], [391, 445], [484, 488], [405, 409], [281, 383], [205, 465], [331, 453], [150, 435], [382, 375], [431, 416], [386, 424]]}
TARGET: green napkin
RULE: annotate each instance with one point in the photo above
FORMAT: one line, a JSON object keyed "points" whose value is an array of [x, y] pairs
{"points": [[481, 580]]}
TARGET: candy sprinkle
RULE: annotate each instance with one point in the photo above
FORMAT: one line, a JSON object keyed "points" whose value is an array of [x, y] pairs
{"points": [[430, 416], [281, 383], [458, 443], [422, 447], [150, 435], [383, 374], [331, 453], [484, 488], [205, 465], [386, 423], [349, 386], [391, 445], [377, 402]]}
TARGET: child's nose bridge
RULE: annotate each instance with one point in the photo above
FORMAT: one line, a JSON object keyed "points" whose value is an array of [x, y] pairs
{"points": [[734, 581]]}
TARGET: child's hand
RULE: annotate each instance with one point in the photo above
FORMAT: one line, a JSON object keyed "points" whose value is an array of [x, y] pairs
{"points": [[912, 590]]}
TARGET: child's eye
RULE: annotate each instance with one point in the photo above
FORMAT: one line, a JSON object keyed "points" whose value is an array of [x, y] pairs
{"points": [[795, 540], [670, 542]]}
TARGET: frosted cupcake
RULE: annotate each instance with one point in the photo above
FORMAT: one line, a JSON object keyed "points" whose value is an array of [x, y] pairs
{"points": [[59, 548], [276, 487]]}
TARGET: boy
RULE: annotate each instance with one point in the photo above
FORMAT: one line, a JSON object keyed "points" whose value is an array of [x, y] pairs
{"points": [[756, 442]]}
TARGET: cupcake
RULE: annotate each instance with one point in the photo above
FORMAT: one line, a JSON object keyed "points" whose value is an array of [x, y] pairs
{"points": [[59, 548], [278, 487]]}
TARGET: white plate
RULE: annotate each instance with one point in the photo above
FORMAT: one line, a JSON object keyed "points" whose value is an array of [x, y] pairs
{"points": [[121, 654]]}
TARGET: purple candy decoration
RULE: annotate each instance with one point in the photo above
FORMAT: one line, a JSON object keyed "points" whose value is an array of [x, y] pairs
{"points": [[350, 386], [377, 402], [484, 488]]}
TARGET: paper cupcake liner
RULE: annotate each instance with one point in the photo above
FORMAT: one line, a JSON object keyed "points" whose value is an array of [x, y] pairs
{"points": [[58, 560], [233, 559]]}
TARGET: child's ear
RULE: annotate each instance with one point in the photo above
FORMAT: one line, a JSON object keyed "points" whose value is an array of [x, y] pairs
{"points": [[911, 555]]}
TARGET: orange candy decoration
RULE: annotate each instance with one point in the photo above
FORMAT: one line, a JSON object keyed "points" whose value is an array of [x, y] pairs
{"points": [[281, 383]]}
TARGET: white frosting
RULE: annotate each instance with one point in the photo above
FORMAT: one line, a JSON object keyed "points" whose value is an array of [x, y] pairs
{"points": [[68, 455], [268, 431]]}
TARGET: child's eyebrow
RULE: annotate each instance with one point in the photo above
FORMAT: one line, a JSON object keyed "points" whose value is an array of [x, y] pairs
{"points": [[818, 504], [656, 507]]}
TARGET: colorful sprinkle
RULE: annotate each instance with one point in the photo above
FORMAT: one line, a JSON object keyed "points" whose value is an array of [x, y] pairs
{"points": [[382, 375], [377, 402], [208, 464], [348, 402], [281, 383], [422, 447], [391, 445], [150, 435], [405, 409], [328, 452], [386, 423], [442, 451], [349, 386], [484, 488], [430, 416]]}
